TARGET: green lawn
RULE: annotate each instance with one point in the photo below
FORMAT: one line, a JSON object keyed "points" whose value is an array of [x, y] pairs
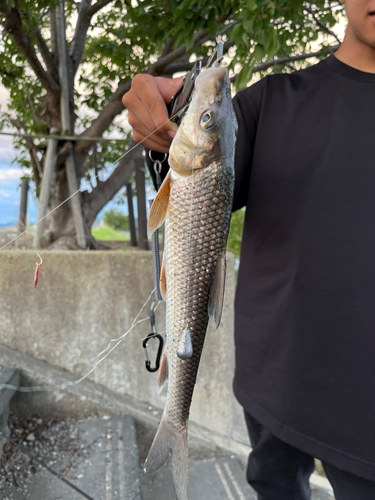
{"points": [[106, 233]]}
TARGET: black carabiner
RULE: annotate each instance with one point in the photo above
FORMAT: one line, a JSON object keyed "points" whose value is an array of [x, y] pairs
{"points": [[158, 356]]}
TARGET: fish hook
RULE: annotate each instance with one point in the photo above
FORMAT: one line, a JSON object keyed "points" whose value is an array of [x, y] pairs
{"points": [[38, 266]]}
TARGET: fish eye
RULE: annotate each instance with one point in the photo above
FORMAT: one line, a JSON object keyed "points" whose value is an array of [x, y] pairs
{"points": [[207, 120]]}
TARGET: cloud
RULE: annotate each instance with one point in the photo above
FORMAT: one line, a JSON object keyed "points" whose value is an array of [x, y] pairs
{"points": [[4, 194], [11, 173]]}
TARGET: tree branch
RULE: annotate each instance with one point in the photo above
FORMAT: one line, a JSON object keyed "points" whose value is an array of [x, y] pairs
{"points": [[98, 6], [35, 163], [13, 26], [53, 31], [96, 200], [113, 108], [321, 24], [158, 67], [167, 47], [283, 61], [48, 57], [86, 11]]}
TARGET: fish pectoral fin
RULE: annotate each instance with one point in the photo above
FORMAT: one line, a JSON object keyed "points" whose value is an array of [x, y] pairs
{"points": [[163, 281], [163, 370], [215, 304], [159, 208]]}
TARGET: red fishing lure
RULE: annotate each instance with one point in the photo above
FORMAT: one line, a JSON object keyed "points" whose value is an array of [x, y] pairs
{"points": [[38, 266]]}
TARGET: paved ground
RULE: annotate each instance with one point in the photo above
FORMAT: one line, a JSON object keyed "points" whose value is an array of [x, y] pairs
{"points": [[219, 479], [101, 458], [106, 469]]}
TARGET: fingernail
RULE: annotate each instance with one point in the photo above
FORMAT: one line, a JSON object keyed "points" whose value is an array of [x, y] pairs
{"points": [[172, 125], [171, 133]]}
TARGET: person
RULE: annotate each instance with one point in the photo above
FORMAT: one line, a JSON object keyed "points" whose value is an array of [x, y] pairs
{"points": [[304, 307]]}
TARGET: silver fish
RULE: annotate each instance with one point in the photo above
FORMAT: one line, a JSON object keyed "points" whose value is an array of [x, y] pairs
{"points": [[195, 201]]}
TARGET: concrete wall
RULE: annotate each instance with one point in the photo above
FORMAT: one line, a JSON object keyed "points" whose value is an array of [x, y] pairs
{"points": [[85, 299]]}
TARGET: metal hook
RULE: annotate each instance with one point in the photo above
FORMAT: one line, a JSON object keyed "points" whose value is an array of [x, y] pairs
{"points": [[41, 260], [158, 356], [156, 161], [157, 167]]}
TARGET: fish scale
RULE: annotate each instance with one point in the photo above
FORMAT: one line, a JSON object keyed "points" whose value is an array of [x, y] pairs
{"points": [[192, 249]]}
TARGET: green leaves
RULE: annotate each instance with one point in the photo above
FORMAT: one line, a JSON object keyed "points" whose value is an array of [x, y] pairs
{"points": [[127, 37]]}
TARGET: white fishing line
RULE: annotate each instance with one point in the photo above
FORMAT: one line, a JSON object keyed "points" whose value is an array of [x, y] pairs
{"points": [[76, 382], [131, 326], [78, 190], [117, 341]]}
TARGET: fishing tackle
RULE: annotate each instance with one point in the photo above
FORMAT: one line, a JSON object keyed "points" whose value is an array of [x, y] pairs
{"points": [[180, 101], [38, 266], [185, 347], [153, 335], [158, 356], [155, 236]]}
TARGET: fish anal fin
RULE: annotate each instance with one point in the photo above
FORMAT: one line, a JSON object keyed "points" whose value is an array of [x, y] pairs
{"points": [[215, 305], [159, 208], [163, 281], [163, 370]]}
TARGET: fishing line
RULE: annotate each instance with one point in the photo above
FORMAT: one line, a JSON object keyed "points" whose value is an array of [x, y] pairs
{"points": [[117, 341], [132, 326], [78, 190], [76, 382]]}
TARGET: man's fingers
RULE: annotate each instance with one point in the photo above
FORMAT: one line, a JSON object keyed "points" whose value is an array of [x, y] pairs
{"points": [[168, 87], [148, 115], [149, 93], [150, 143], [153, 103], [140, 120]]}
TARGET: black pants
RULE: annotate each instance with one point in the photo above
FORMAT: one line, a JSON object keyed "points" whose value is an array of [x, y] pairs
{"points": [[278, 471]]}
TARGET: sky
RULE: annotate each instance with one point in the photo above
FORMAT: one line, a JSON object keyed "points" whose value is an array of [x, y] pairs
{"points": [[10, 175]]}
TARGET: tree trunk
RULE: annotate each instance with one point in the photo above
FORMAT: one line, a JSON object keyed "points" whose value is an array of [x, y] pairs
{"points": [[133, 234], [23, 206], [141, 203]]}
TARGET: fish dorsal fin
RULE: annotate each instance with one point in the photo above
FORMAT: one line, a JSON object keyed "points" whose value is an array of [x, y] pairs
{"points": [[215, 305], [159, 208], [163, 370], [163, 281]]}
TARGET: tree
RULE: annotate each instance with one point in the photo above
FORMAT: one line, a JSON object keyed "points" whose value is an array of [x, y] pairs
{"points": [[109, 41], [116, 219]]}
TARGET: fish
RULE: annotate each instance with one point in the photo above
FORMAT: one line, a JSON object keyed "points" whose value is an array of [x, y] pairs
{"points": [[195, 203]]}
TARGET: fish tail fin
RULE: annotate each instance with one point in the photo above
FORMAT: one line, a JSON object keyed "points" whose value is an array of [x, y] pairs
{"points": [[170, 443]]}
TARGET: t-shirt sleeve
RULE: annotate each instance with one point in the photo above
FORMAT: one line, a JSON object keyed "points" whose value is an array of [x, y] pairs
{"points": [[246, 104]]}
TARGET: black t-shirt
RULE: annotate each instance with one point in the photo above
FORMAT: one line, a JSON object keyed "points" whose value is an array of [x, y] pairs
{"points": [[305, 301]]}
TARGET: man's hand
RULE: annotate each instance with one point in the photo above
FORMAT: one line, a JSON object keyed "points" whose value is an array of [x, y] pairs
{"points": [[146, 103]]}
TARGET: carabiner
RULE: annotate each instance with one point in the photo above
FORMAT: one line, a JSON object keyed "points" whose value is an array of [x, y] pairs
{"points": [[153, 335], [157, 167]]}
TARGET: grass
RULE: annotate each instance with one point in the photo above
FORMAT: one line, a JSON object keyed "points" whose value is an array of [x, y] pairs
{"points": [[106, 233]]}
